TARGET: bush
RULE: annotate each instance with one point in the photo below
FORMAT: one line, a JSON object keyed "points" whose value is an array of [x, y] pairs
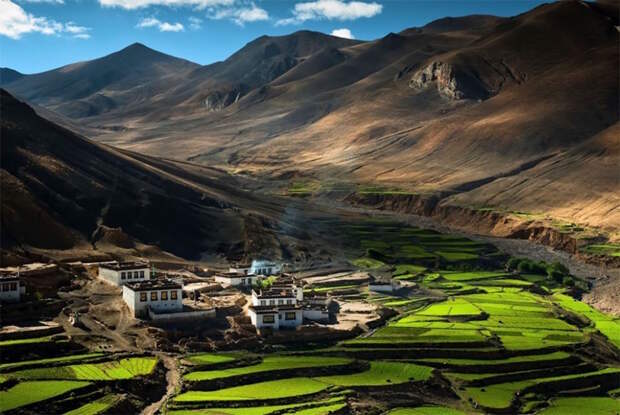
{"points": [[568, 282]]}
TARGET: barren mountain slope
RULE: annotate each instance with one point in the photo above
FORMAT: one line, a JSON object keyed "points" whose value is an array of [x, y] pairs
{"points": [[459, 109], [448, 118], [62, 193], [132, 76]]}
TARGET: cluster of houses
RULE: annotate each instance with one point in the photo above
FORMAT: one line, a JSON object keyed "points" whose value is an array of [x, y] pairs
{"points": [[281, 305]]}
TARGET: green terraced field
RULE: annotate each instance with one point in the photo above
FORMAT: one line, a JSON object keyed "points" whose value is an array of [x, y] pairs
{"points": [[96, 407], [268, 364], [426, 410], [210, 358], [115, 370], [586, 405], [26, 393], [42, 362], [263, 390], [259, 410], [381, 373], [26, 341]]}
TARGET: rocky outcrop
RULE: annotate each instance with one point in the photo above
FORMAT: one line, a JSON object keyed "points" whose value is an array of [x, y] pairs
{"points": [[450, 81], [218, 100]]}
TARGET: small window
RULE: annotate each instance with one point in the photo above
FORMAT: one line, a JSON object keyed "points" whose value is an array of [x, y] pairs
{"points": [[242, 281], [122, 275], [136, 274], [289, 301], [272, 302], [5, 287], [290, 316], [164, 295], [263, 302], [280, 302], [268, 319], [173, 295], [269, 271], [13, 286], [142, 297], [153, 295], [141, 274]]}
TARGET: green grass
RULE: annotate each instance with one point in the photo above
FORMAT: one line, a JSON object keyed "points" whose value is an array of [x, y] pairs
{"points": [[367, 263], [64, 359], [26, 393], [607, 325], [115, 370], [473, 276], [274, 389], [426, 410], [586, 405], [270, 364], [96, 407], [455, 307], [334, 288], [610, 249], [381, 373], [26, 341], [255, 410], [321, 410], [516, 359], [457, 256], [402, 269], [210, 358], [499, 396]]}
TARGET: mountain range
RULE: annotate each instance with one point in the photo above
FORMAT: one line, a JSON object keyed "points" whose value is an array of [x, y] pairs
{"points": [[515, 114]]}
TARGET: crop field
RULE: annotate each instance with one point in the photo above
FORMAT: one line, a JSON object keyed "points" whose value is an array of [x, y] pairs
{"points": [[269, 364], [210, 358], [26, 393], [114, 370], [78, 383], [96, 407]]}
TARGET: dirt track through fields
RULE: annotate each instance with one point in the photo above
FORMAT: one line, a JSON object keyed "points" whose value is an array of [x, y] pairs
{"points": [[173, 378]]}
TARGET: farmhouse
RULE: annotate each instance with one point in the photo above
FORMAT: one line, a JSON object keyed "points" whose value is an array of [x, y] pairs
{"points": [[121, 273], [384, 286], [265, 267], [283, 305], [158, 295], [234, 279], [11, 289]]}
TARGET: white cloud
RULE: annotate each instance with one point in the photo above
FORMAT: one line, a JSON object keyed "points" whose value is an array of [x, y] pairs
{"points": [[195, 23], [44, 1], [345, 33], [15, 22], [138, 4], [162, 26], [239, 15], [331, 10]]}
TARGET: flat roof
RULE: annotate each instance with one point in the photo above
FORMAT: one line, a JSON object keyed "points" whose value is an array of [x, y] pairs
{"points": [[149, 285], [9, 277], [119, 266]]}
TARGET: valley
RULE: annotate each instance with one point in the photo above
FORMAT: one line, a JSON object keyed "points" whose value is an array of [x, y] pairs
{"points": [[423, 223]]}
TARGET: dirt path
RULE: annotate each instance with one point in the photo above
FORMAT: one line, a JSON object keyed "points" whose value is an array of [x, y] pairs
{"points": [[173, 377]]}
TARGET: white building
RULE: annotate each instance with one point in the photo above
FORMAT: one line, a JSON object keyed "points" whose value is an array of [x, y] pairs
{"points": [[121, 273], [234, 279], [11, 289], [384, 286], [159, 296], [283, 306], [265, 267]]}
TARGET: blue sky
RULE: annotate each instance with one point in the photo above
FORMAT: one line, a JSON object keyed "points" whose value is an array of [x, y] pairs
{"points": [[37, 35]]}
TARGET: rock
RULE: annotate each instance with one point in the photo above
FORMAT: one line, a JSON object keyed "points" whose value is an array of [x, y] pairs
{"points": [[218, 100], [451, 82]]}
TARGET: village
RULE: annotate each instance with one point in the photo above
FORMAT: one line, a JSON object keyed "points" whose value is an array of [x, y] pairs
{"points": [[263, 294]]}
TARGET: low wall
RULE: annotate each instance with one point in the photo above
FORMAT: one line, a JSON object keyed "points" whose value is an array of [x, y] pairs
{"points": [[180, 315]]}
